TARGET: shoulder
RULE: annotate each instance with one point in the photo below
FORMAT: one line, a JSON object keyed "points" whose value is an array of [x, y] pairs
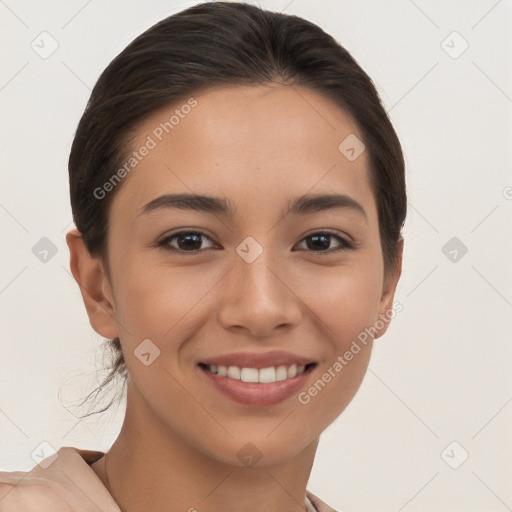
{"points": [[62, 482], [20, 492]]}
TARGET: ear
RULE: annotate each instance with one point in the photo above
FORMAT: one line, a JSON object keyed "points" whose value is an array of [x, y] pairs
{"points": [[94, 284], [386, 309]]}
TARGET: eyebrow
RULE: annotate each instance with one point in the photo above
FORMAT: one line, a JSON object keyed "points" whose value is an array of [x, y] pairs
{"points": [[309, 203]]}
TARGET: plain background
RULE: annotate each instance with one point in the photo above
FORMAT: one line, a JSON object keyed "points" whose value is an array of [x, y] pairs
{"points": [[440, 374]]}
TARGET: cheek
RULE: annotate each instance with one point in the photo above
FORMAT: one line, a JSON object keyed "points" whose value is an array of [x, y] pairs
{"points": [[345, 304], [345, 298], [334, 386], [156, 301]]}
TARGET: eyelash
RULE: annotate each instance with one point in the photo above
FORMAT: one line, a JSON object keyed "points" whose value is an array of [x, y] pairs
{"points": [[344, 243]]}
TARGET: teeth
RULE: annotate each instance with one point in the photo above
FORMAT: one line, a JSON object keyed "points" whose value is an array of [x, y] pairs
{"points": [[234, 372], [266, 375], [248, 375], [281, 373], [263, 375]]}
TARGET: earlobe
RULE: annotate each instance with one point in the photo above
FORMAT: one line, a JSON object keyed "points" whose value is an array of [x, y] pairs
{"points": [[386, 309], [94, 284]]}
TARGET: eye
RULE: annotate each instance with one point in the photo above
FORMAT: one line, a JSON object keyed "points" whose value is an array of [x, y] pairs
{"points": [[320, 242], [185, 241], [189, 242]]}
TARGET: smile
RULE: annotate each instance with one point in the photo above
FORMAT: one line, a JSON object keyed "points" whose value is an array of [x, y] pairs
{"points": [[256, 387], [261, 375]]}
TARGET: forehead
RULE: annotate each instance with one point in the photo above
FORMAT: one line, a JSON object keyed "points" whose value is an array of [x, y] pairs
{"points": [[265, 141]]}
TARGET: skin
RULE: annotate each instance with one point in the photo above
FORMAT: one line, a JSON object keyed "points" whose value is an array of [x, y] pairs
{"points": [[259, 146]]}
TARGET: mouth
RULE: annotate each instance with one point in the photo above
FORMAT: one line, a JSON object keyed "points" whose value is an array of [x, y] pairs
{"points": [[257, 387], [266, 375]]}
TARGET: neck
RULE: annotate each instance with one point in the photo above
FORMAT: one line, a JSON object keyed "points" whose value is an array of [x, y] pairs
{"points": [[151, 469]]}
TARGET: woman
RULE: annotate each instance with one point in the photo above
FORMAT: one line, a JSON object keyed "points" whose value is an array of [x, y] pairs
{"points": [[238, 193]]}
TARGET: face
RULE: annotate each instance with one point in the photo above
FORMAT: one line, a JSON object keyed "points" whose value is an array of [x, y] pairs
{"points": [[246, 273]]}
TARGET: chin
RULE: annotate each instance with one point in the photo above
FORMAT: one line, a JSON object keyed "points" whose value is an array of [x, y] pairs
{"points": [[258, 451]]}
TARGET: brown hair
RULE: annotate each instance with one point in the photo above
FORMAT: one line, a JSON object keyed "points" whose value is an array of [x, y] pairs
{"points": [[215, 44]]}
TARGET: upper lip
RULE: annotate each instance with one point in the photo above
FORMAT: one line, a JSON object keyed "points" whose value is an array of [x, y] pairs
{"points": [[258, 359]]}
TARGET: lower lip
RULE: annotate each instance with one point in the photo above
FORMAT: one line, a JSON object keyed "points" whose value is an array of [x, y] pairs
{"points": [[255, 394]]}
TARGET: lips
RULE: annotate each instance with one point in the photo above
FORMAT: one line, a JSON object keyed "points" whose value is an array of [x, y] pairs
{"points": [[257, 394], [257, 379]]}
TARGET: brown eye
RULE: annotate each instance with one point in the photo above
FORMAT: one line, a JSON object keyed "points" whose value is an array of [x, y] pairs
{"points": [[190, 242], [321, 242], [184, 241]]}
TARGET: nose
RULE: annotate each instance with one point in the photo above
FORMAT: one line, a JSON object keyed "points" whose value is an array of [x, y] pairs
{"points": [[257, 297]]}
